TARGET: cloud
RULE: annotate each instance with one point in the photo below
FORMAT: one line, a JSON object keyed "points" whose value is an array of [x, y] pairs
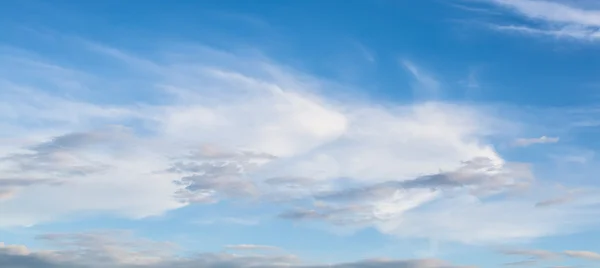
{"points": [[251, 247], [472, 81], [554, 201], [449, 214], [230, 127], [367, 53], [537, 254], [426, 207], [524, 142], [229, 220], [583, 255], [6, 193], [426, 86], [560, 19], [565, 32], [250, 122], [121, 250], [553, 11], [521, 263]]}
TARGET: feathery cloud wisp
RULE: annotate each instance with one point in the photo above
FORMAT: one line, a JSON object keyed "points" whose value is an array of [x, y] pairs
{"points": [[561, 20]]}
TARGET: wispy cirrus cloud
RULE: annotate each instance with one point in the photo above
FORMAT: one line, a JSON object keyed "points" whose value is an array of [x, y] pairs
{"points": [[558, 19], [425, 85]]}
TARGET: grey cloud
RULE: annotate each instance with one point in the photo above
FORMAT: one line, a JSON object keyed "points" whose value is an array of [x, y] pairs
{"points": [[554, 201], [374, 192], [52, 162], [345, 215], [215, 180], [480, 174], [10, 186], [208, 152], [521, 263], [30, 261], [22, 182], [569, 196], [533, 253], [59, 157], [536, 255], [220, 261], [71, 141], [213, 173], [588, 255]]}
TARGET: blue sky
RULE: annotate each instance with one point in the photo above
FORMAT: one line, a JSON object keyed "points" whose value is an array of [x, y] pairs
{"points": [[412, 134]]}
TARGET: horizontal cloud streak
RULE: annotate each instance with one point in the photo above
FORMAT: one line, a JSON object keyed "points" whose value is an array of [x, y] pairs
{"points": [[560, 19], [120, 250]]}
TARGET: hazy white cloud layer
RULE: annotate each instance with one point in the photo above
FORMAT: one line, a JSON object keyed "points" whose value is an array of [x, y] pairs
{"points": [[209, 126]]}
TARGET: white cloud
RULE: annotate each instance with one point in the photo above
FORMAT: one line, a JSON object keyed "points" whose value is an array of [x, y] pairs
{"points": [[561, 20], [523, 142], [426, 86], [273, 113], [553, 11], [242, 128], [568, 32]]}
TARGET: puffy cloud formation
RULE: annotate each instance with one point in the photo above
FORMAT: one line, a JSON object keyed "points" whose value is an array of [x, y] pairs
{"points": [[205, 126]]}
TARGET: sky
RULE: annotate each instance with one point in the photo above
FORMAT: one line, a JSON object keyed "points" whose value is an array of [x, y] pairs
{"points": [[303, 134]]}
